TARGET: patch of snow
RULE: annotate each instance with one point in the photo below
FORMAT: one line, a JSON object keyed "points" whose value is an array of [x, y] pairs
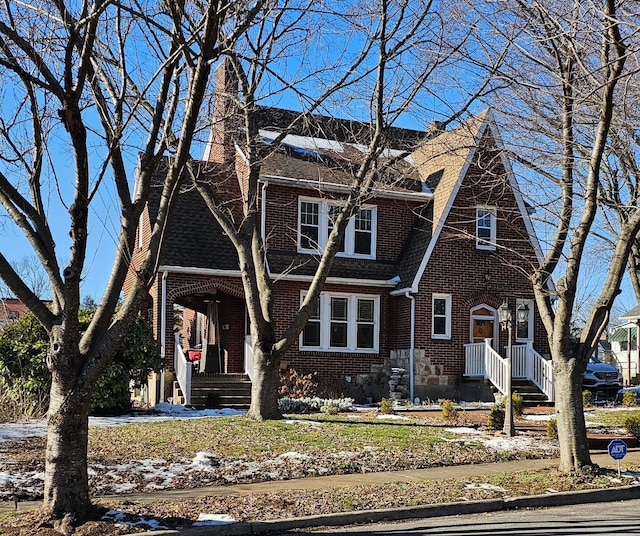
{"points": [[539, 418], [392, 417], [464, 430], [209, 520], [19, 430], [303, 421], [119, 518], [491, 487]]}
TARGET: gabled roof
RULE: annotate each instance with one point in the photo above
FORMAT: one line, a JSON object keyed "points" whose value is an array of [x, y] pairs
{"points": [[633, 314]]}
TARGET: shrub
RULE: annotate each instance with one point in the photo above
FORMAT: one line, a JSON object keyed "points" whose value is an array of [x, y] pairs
{"points": [[314, 405], [496, 418], [629, 399], [632, 426], [294, 385], [386, 406], [587, 398], [552, 429], [25, 377], [449, 411], [517, 404], [130, 368]]}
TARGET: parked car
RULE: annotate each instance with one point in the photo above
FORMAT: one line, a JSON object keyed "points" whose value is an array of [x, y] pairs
{"points": [[601, 377]]}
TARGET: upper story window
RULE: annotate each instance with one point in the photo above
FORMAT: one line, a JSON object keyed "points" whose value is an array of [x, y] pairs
{"points": [[441, 316], [343, 322], [315, 222], [486, 228]]}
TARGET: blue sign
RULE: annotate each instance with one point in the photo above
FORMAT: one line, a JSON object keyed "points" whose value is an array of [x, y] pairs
{"points": [[617, 449]]}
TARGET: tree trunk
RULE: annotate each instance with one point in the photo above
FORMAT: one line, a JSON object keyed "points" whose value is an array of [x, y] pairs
{"points": [[572, 431], [264, 387], [66, 484]]}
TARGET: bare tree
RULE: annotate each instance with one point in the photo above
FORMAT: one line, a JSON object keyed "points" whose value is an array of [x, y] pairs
{"points": [[568, 67], [387, 60], [86, 87]]}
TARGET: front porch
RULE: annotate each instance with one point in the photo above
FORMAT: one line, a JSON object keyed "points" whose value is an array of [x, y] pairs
{"points": [[482, 361]]}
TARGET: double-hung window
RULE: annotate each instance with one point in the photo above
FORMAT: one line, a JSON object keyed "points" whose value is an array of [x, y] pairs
{"points": [[486, 228], [343, 322], [315, 223], [441, 316]]}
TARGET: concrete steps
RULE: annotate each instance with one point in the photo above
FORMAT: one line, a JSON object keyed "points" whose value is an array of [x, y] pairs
{"points": [[217, 391]]}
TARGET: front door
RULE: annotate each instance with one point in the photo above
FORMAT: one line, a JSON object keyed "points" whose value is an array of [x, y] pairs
{"points": [[483, 324]]}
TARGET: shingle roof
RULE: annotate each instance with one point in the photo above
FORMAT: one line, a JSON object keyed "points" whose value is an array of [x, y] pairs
{"points": [[633, 314]]}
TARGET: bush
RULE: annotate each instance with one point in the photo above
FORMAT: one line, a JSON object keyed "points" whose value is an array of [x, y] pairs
{"points": [[632, 426], [386, 406], [629, 399], [587, 398], [294, 385], [552, 429], [25, 377], [449, 411], [496, 418], [517, 404], [130, 368], [315, 405]]}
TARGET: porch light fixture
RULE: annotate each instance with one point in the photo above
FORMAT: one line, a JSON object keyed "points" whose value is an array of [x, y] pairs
{"points": [[505, 316], [523, 313]]}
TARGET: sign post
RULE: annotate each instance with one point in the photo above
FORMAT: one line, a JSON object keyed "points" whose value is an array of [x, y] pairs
{"points": [[617, 450]]}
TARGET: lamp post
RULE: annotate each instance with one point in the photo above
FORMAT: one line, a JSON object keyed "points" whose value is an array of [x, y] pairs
{"points": [[505, 316]]}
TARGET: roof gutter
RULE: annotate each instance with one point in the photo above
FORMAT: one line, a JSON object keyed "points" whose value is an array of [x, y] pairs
{"points": [[333, 187]]}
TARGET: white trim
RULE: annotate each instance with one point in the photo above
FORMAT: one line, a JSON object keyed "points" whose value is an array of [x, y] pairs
{"points": [[324, 207], [287, 277], [494, 318], [324, 186], [163, 331], [447, 316], [324, 307]]}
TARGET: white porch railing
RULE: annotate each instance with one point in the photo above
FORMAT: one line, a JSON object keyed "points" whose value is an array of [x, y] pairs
{"points": [[183, 369], [248, 357], [482, 360]]}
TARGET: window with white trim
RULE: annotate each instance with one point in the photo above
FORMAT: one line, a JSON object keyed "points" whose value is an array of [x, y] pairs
{"points": [[343, 322], [486, 228], [524, 330], [441, 316], [315, 222]]}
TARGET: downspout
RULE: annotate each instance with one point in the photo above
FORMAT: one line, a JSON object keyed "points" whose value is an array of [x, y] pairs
{"points": [[263, 213], [163, 331], [412, 333]]}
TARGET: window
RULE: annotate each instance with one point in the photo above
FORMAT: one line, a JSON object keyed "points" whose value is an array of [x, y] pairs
{"points": [[485, 228], [441, 316], [524, 330], [316, 219], [343, 322]]}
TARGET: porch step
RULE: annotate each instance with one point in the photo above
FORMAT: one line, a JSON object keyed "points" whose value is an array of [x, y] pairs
{"points": [[221, 391], [531, 395]]}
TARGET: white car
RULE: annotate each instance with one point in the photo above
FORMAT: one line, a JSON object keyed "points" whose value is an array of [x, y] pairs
{"points": [[601, 377]]}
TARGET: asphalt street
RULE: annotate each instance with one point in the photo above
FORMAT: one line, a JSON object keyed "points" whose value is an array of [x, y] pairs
{"points": [[621, 517]]}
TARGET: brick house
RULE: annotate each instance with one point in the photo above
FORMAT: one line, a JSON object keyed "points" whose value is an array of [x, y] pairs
{"points": [[424, 266], [11, 309]]}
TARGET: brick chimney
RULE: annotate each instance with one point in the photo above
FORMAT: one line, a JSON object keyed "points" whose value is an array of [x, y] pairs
{"points": [[225, 123]]}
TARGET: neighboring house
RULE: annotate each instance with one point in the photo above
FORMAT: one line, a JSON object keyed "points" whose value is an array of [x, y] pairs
{"points": [[11, 309], [624, 346], [424, 266]]}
